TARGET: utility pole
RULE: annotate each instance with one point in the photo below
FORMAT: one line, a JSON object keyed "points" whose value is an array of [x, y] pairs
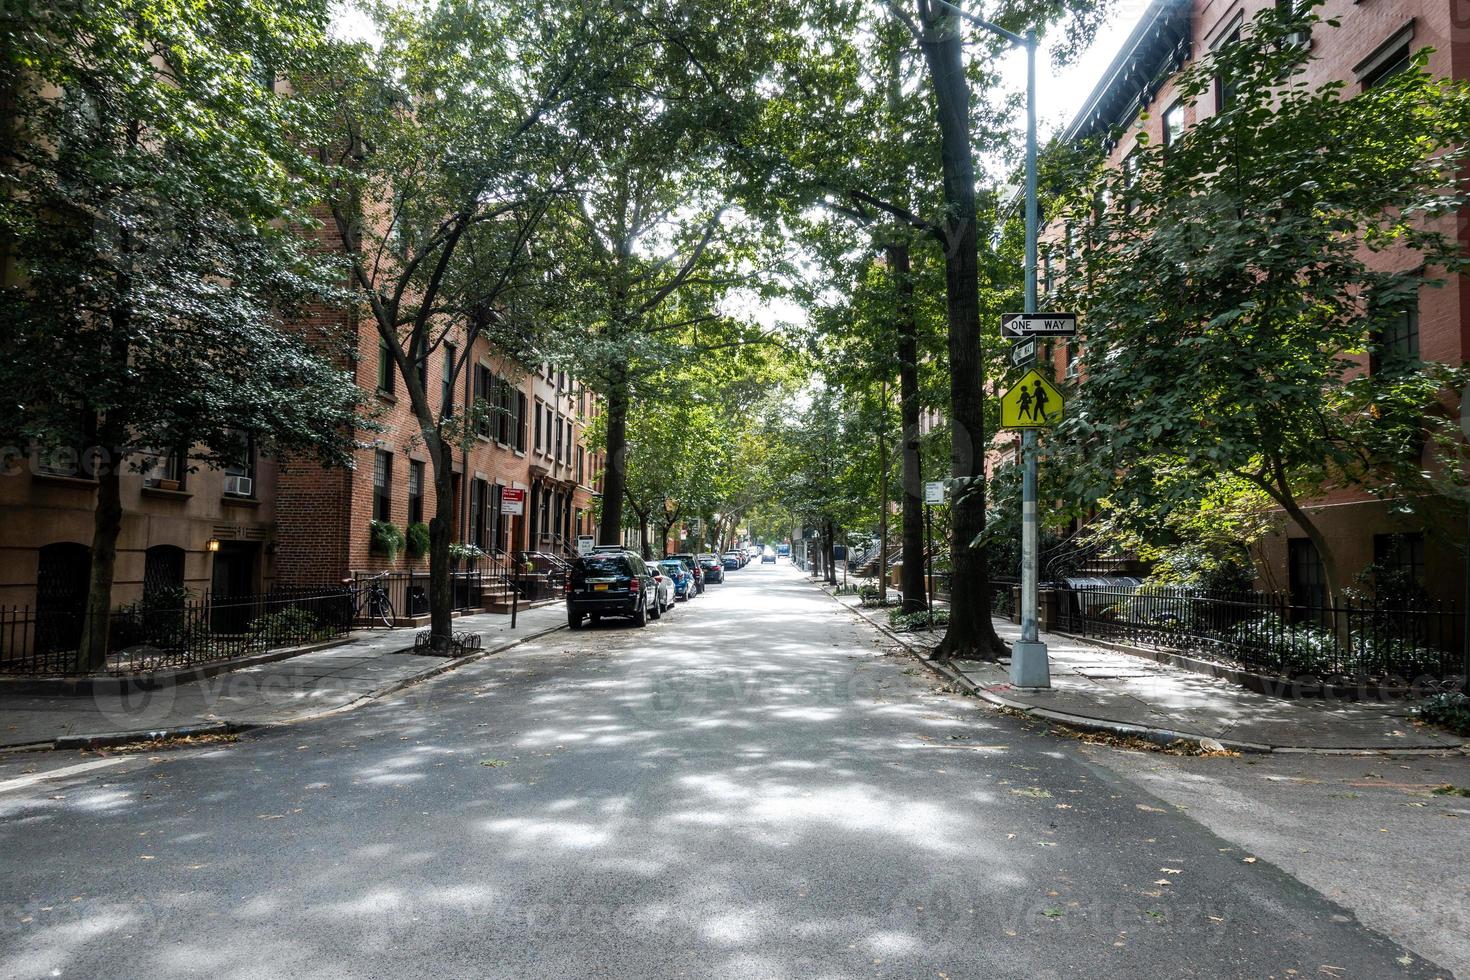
{"points": [[1029, 667]]}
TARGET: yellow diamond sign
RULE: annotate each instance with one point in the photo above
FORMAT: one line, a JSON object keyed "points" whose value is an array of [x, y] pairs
{"points": [[1034, 403]]}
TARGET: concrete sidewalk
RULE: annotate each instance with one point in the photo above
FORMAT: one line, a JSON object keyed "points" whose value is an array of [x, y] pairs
{"points": [[1101, 689], [372, 664]]}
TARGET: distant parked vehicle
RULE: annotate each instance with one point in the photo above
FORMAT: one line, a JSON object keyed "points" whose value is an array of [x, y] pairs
{"points": [[784, 550], [610, 583], [691, 562], [712, 568], [683, 578], [732, 561]]}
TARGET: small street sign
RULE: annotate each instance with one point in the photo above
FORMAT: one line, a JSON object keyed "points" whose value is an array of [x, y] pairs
{"points": [[512, 501], [1019, 326], [1023, 353], [1034, 403], [934, 492], [585, 544]]}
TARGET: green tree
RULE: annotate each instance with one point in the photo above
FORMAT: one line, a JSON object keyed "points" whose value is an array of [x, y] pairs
{"points": [[444, 154], [1245, 276], [153, 210]]}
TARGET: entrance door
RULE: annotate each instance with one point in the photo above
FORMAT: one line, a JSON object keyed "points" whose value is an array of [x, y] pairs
{"points": [[61, 595], [232, 582]]}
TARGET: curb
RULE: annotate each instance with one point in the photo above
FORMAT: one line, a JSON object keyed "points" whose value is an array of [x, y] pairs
{"points": [[106, 739], [1159, 736]]}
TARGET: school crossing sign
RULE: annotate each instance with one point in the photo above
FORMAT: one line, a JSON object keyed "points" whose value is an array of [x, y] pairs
{"points": [[1034, 403]]}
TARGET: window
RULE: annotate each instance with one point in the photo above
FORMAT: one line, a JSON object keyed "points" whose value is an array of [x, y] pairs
{"points": [[1130, 179], [1306, 578], [1224, 86], [1046, 282], [579, 472], [166, 469], [520, 421], [1398, 556], [240, 475], [1390, 58], [385, 368], [1394, 345], [559, 449], [480, 514], [506, 403], [1291, 10], [538, 426], [446, 383], [382, 486], [163, 569], [415, 492], [1173, 124]]}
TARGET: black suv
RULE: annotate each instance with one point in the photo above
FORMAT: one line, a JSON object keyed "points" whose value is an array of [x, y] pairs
{"points": [[608, 583]]}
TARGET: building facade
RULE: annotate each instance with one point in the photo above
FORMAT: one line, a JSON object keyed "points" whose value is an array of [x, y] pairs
{"points": [[1137, 94]]}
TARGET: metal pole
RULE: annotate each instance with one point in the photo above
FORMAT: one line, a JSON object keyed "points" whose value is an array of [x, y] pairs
{"points": [[929, 562], [1029, 667]]}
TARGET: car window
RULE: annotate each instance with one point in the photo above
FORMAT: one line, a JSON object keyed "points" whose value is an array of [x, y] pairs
{"points": [[605, 565]]}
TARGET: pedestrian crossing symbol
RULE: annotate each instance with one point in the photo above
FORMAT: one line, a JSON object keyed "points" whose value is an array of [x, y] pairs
{"points": [[1034, 403]]}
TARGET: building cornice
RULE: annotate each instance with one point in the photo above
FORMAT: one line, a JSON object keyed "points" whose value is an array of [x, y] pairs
{"points": [[1158, 47]]}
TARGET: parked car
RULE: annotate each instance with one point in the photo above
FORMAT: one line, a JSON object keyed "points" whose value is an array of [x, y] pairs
{"points": [[683, 578], [732, 561], [784, 550], [663, 591], [692, 563], [712, 568], [610, 583]]}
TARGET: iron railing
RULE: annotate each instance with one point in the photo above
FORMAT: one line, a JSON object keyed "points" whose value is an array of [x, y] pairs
{"points": [[155, 635], [1269, 633], [408, 589]]}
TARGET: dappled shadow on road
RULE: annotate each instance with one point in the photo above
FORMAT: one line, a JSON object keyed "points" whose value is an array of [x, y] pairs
{"points": [[749, 788]]}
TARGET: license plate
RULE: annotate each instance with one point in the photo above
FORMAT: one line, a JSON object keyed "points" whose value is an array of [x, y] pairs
{"points": [[600, 587]]}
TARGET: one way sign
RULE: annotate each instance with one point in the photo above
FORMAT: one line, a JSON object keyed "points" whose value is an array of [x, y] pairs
{"points": [[1019, 326]]}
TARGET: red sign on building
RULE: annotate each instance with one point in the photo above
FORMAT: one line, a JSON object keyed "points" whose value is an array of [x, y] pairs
{"points": [[512, 501]]}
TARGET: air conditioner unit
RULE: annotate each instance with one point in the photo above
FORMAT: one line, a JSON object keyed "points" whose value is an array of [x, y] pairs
{"points": [[239, 486]]}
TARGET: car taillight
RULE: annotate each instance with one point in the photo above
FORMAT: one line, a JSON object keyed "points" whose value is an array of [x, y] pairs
{"points": [[634, 585]]}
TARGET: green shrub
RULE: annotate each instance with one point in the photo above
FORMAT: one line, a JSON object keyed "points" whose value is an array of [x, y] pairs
{"points": [[386, 539], [1450, 711], [465, 552], [286, 627], [418, 540], [917, 621], [1294, 649]]}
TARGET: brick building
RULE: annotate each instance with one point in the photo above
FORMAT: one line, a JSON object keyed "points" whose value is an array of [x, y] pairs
{"points": [[1137, 92]]}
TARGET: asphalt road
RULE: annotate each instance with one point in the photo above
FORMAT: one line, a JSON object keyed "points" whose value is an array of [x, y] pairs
{"points": [[753, 787]]}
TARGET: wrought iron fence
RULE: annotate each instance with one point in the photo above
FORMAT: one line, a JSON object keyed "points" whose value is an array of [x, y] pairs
{"points": [[408, 590], [1268, 633], [1003, 596], [160, 633]]}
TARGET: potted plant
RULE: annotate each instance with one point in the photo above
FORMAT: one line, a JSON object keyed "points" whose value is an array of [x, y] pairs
{"points": [[385, 539], [417, 540]]}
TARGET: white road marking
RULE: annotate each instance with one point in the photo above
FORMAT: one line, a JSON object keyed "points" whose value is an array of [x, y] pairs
{"points": [[41, 777]]}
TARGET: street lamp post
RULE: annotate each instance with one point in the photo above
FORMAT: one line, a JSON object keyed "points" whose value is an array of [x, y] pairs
{"points": [[1029, 667]]}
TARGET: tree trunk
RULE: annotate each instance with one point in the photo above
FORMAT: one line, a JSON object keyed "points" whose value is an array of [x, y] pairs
{"points": [[441, 530], [830, 558], [106, 526], [615, 472], [911, 569], [1314, 534], [971, 634], [883, 499]]}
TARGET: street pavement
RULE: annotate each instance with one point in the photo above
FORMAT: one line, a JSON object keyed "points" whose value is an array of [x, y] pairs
{"points": [[760, 785]]}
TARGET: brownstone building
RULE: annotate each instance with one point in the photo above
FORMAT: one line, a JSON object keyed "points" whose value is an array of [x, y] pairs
{"points": [[1137, 93]]}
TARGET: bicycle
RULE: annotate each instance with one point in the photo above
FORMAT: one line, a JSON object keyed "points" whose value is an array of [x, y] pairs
{"points": [[374, 599]]}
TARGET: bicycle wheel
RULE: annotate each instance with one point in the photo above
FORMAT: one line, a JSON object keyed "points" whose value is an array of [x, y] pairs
{"points": [[385, 610]]}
